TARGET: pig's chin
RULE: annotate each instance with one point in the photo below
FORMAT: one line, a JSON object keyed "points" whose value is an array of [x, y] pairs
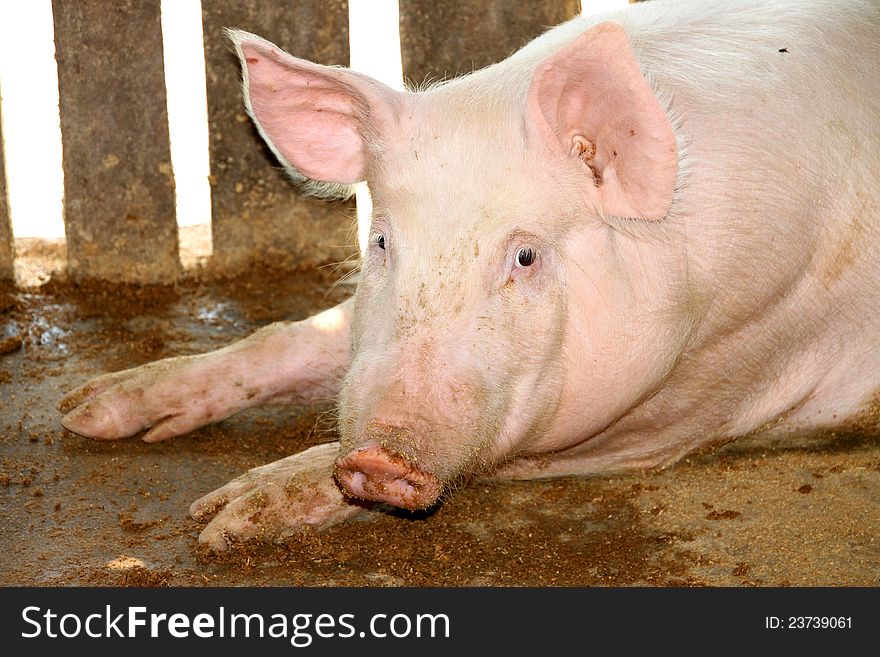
{"points": [[376, 474]]}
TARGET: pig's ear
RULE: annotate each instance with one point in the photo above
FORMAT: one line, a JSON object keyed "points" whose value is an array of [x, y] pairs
{"points": [[591, 99], [319, 121]]}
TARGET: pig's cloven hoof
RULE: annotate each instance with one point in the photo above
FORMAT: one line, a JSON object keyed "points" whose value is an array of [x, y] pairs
{"points": [[273, 501]]}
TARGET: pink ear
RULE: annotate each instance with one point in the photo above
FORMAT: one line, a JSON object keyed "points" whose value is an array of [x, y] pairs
{"points": [[591, 100], [315, 118]]}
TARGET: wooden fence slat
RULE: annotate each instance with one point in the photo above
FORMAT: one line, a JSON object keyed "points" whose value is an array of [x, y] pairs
{"points": [[118, 182], [446, 38], [6, 245], [256, 212]]}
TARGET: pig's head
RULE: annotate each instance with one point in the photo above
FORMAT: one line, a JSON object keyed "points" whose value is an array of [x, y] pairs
{"points": [[490, 197]]}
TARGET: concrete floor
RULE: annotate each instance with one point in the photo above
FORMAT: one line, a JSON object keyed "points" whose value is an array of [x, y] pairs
{"points": [[75, 511]]}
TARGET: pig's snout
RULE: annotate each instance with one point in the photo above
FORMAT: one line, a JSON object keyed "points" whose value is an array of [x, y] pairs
{"points": [[377, 474]]}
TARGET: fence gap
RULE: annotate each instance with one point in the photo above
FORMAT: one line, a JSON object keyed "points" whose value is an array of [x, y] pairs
{"points": [[184, 58], [589, 7], [374, 41], [30, 123]]}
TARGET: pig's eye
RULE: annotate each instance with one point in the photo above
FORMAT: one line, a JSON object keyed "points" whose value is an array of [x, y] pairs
{"points": [[380, 241], [526, 257]]}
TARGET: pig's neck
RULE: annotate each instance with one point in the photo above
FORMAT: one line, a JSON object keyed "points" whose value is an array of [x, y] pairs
{"points": [[786, 329]]}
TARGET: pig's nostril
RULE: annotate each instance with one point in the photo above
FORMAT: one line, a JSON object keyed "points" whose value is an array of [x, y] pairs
{"points": [[372, 473], [407, 486], [364, 482]]}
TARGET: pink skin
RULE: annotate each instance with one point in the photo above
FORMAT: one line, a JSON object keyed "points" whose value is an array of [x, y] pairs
{"points": [[373, 473], [572, 303], [288, 362], [272, 501]]}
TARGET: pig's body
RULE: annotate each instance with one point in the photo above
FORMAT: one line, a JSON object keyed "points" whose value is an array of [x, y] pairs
{"points": [[766, 275], [717, 275]]}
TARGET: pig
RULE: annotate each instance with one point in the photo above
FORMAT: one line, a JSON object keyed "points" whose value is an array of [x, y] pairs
{"points": [[642, 234]]}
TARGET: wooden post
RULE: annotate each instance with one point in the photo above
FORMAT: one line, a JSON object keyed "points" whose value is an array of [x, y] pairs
{"points": [[446, 38], [119, 205], [256, 212], [7, 250]]}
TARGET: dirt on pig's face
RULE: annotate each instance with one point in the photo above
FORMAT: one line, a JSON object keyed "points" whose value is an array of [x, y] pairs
{"points": [[460, 313]]}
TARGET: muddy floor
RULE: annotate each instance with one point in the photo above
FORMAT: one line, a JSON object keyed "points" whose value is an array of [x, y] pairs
{"points": [[75, 511]]}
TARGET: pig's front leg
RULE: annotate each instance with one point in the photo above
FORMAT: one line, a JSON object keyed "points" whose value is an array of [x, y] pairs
{"points": [[576, 464], [275, 500], [296, 362]]}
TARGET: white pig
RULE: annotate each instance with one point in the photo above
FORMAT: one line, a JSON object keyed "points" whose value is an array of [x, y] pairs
{"points": [[642, 234]]}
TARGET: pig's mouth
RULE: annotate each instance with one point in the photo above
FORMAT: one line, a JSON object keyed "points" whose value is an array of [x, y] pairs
{"points": [[376, 474]]}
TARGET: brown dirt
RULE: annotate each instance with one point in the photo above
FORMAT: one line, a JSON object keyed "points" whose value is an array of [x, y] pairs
{"points": [[75, 511]]}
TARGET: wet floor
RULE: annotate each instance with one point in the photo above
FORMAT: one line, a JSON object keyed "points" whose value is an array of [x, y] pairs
{"points": [[76, 511]]}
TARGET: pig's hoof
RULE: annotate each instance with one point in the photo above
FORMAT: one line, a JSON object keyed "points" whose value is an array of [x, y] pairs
{"points": [[160, 396], [168, 397], [275, 500]]}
